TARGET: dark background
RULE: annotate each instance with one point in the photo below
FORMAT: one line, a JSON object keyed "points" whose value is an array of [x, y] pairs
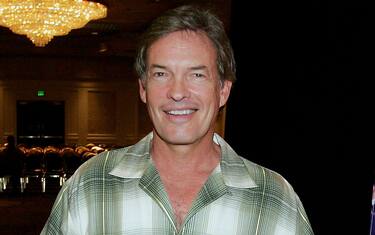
{"points": [[41, 122], [301, 104]]}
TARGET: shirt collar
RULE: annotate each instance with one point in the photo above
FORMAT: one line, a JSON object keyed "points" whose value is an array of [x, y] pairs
{"points": [[137, 158]]}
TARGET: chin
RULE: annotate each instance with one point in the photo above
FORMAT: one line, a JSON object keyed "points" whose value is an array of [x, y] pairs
{"points": [[181, 137], [179, 140]]}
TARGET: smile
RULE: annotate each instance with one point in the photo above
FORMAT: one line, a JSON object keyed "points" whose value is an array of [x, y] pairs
{"points": [[181, 112]]}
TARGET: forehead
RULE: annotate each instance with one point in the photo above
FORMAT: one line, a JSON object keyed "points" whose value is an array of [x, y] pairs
{"points": [[183, 46]]}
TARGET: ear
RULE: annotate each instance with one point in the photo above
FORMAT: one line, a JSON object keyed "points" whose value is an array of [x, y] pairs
{"points": [[142, 90], [224, 92]]}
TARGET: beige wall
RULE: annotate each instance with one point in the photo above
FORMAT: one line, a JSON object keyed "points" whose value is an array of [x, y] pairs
{"points": [[95, 112]]}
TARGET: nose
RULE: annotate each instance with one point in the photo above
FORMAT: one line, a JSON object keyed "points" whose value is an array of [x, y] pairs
{"points": [[178, 90]]}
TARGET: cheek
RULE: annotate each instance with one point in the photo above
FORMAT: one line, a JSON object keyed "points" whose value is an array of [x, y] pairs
{"points": [[213, 95], [206, 89], [158, 90], [210, 100], [154, 95]]}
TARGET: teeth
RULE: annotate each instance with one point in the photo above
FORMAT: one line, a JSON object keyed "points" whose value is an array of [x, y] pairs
{"points": [[181, 112]]}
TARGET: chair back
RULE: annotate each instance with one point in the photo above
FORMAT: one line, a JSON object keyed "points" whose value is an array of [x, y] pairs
{"points": [[52, 159], [34, 159], [71, 159]]}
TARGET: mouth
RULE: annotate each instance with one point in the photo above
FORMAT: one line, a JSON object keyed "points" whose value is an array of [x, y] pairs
{"points": [[181, 112]]}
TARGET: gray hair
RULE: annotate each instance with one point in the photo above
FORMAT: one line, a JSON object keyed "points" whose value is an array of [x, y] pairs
{"points": [[189, 18]]}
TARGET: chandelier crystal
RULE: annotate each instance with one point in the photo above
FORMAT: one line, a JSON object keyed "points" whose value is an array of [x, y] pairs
{"points": [[41, 20]]}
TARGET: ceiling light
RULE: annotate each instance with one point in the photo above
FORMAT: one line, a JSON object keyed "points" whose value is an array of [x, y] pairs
{"points": [[41, 20]]}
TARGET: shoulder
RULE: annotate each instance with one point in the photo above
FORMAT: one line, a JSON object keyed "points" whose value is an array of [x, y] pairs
{"points": [[102, 163], [238, 170], [279, 198], [89, 179], [104, 166], [271, 183]]}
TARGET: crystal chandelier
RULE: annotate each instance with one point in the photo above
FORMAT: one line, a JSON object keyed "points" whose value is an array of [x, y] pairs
{"points": [[41, 20]]}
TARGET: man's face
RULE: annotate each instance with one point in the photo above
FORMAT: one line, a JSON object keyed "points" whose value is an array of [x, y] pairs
{"points": [[182, 89]]}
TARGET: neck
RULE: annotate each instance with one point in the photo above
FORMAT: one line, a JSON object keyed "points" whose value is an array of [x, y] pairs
{"points": [[201, 156]]}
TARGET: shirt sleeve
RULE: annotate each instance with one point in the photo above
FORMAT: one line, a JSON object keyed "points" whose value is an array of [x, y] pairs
{"points": [[303, 226], [60, 220]]}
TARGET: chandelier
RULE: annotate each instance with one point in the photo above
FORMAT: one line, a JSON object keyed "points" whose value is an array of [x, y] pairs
{"points": [[41, 20]]}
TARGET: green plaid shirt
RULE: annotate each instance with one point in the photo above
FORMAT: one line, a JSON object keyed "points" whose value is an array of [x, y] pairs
{"points": [[120, 192]]}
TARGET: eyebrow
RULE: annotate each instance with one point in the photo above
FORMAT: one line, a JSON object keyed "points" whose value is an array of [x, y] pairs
{"points": [[158, 66], [198, 67]]}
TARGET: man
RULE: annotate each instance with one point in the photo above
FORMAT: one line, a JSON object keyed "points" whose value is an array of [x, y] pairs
{"points": [[11, 162], [182, 178]]}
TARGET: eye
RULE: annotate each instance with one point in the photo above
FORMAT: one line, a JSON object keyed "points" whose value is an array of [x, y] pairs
{"points": [[198, 75], [158, 74]]}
